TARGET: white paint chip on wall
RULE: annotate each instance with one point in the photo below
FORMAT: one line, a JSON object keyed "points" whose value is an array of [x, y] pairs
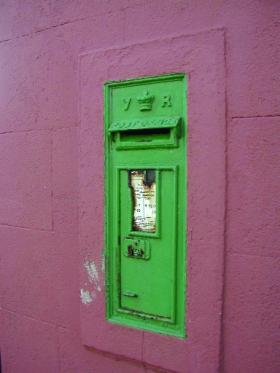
{"points": [[92, 274], [86, 297]]}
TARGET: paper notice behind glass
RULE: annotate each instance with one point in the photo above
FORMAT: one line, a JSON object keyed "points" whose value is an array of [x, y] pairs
{"points": [[144, 202]]}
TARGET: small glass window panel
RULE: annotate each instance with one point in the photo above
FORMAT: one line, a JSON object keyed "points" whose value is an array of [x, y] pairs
{"points": [[143, 186]]}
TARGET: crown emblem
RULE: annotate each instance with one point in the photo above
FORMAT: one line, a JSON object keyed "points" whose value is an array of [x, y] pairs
{"points": [[145, 101]]}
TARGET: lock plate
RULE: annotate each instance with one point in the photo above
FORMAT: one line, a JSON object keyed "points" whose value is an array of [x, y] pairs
{"points": [[136, 248]]}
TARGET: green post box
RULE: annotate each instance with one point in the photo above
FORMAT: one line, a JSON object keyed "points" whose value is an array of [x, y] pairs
{"points": [[145, 152]]}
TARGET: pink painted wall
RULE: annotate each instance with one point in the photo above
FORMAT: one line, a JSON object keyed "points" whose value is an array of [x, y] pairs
{"points": [[40, 44]]}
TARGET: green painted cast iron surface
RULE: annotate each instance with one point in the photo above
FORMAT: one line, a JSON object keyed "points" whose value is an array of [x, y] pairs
{"points": [[145, 194]]}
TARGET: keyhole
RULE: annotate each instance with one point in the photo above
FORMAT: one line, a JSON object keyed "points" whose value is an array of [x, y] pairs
{"points": [[130, 250]]}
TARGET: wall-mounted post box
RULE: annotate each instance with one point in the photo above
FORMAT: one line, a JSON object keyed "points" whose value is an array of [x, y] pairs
{"points": [[145, 137]]}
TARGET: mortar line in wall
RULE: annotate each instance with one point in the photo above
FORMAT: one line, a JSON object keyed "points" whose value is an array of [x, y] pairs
{"points": [[142, 346], [151, 41], [116, 356], [256, 116], [142, 351], [221, 347], [26, 228], [47, 28], [124, 15], [37, 129], [79, 90], [52, 181], [275, 257], [131, 360], [65, 23], [30, 317], [58, 348], [157, 369]]}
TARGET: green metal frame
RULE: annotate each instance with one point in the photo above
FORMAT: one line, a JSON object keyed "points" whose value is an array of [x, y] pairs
{"points": [[174, 325]]}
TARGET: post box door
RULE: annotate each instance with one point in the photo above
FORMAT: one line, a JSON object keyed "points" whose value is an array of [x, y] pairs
{"points": [[148, 241]]}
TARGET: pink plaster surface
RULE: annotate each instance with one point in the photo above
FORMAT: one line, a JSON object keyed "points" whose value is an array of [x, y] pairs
{"points": [[30, 345], [26, 201], [253, 261], [234, 292]]}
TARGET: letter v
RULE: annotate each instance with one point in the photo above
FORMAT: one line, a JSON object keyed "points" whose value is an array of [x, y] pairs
{"points": [[126, 102]]}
